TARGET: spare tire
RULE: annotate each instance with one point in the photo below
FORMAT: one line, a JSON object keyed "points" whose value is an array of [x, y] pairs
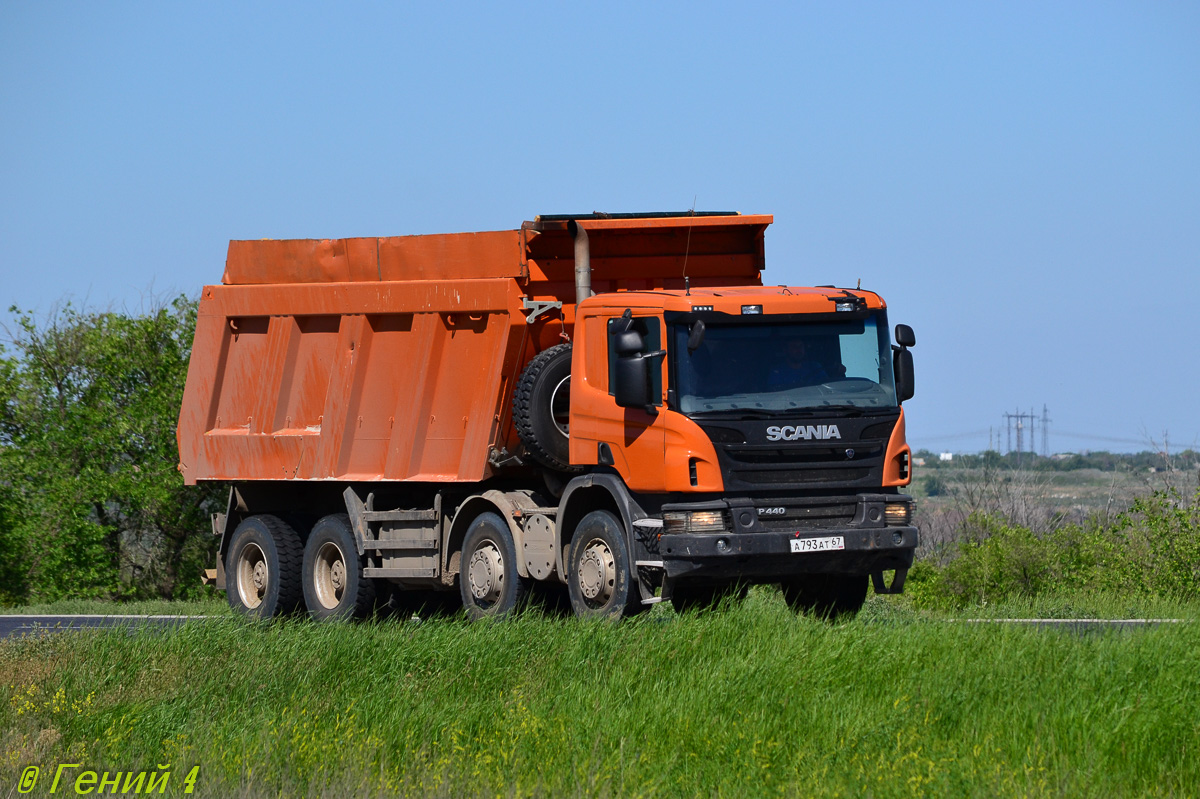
{"points": [[542, 405]]}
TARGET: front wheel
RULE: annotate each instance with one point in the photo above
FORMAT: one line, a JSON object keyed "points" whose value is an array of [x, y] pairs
{"points": [[600, 581], [490, 585], [334, 587], [826, 595]]}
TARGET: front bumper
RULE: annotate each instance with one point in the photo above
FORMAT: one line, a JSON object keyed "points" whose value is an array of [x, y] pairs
{"points": [[768, 555]]}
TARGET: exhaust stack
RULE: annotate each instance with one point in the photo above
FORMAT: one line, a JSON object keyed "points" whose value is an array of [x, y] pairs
{"points": [[583, 262]]}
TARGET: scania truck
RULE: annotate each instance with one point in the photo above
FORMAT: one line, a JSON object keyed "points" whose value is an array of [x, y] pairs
{"points": [[614, 403]]}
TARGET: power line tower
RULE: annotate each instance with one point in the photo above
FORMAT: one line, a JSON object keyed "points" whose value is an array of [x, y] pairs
{"points": [[1032, 433], [1022, 423]]}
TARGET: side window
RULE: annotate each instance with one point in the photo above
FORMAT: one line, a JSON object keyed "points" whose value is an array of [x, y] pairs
{"points": [[595, 358], [651, 329]]}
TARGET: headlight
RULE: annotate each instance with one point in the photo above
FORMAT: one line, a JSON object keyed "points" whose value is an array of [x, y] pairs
{"points": [[698, 521], [898, 513]]}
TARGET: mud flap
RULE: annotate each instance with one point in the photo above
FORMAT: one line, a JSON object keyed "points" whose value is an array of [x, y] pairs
{"points": [[897, 585]]}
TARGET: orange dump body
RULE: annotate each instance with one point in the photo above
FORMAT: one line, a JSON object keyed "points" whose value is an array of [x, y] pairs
{"points": [[394, 359]]}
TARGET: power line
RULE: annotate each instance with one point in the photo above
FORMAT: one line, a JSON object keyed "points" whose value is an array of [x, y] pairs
{"points": [[1092, 437], [952, 436]]}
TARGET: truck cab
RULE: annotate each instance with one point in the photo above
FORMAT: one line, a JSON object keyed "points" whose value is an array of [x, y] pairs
{"points": [[760, 432]]}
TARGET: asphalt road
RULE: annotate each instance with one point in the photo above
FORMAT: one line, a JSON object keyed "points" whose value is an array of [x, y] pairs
{"points": [[23, 625]]}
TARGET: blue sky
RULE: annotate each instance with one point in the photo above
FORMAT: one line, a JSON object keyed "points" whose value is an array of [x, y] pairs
{"points": [[1020, 181]]}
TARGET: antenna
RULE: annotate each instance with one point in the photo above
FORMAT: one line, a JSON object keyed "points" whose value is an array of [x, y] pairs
{"points": [[687, 247]]}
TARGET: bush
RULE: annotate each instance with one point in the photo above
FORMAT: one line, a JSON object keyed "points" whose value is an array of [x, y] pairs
{"points": [[1152, 550]]}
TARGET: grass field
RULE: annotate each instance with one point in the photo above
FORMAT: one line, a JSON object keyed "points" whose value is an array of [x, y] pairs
{"points": [[748, 700]]}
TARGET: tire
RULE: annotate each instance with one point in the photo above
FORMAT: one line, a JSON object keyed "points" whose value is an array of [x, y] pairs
{"points": [[262, 568], [541, 407], [334, 587], [700, 597], [489, 582], [600, 581], [827, 596]]}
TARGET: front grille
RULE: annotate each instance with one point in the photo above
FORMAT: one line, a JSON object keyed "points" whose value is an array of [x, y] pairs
{"points": [[773, 476], [751, 461], [811, 517], [785, 455], [882, 430]]}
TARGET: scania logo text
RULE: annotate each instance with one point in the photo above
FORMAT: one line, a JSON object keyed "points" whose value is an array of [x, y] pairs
{"points": [[805, 432]]}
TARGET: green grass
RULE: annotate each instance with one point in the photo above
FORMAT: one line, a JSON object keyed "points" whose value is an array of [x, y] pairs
{"points": [[1063, 605], [750, 700]]}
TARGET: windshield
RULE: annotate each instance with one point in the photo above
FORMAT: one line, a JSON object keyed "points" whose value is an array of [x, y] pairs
{"points": [[786, 366]]}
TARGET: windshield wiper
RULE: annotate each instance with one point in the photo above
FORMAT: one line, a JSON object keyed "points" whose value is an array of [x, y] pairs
{"points": [[748, 413], [807, 411], [853, 410]]}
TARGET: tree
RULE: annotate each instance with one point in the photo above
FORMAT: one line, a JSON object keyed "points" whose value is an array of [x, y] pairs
{"points": [[91, 503]]}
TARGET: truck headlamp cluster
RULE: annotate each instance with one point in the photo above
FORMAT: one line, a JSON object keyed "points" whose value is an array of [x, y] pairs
{"points": [[898, 514], [699, 521]]}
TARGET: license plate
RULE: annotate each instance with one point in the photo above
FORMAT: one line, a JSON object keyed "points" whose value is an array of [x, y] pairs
{"points": [[818, 544]]}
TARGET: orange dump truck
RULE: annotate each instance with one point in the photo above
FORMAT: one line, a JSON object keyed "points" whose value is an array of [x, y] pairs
{"points": [[611, 402]]}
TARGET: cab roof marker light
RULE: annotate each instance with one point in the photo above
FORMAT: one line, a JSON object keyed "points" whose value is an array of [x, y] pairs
{"points": [[848, 302]]}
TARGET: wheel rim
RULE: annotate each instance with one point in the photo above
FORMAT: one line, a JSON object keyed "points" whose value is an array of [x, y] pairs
{"points": [[597, 573], [560, 406], [329, 578], [485, 572], [253, 576]]}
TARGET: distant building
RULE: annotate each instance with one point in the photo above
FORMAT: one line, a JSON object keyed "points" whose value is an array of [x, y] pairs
{"points": [[918, 461], [946, 456]]}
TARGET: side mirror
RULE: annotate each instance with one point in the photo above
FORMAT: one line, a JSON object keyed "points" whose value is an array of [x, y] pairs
{"points": [[628, 343], [905, 336], [632, 388], [631, 381], [696, 336], [902, 365]]}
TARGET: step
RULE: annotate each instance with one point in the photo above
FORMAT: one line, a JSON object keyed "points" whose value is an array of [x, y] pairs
{"points": [[400, 543], [372, 571], [399, 515]]}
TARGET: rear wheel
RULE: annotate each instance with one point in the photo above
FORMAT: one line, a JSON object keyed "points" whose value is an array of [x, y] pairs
{"points": [[600, 581], [334, 587], [826, 595], [489, 582], [262, 568]]}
